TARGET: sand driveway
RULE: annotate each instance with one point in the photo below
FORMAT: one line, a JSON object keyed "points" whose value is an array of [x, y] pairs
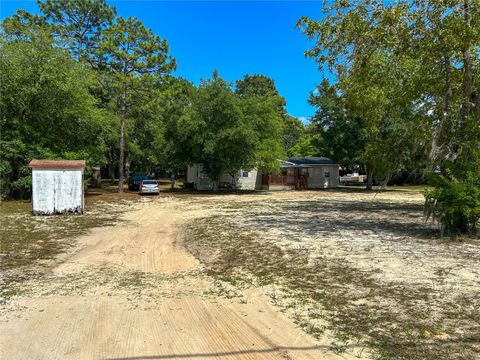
{"points": [[132, 291]]}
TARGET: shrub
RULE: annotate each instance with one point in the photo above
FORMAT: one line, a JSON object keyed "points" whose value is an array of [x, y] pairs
{"points": [[454, 203]]}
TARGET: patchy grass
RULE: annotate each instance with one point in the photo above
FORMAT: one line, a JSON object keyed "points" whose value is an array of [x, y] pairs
{"points": [[28, 243], [411, 188], [132, 279], [281, 243], [26, 238]]}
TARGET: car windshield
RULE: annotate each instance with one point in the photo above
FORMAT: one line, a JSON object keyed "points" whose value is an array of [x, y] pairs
{"points": [[149, 182]]}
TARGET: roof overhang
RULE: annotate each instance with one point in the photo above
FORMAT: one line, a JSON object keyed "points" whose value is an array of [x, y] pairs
{"points": [[57, 164], [294, 166]]}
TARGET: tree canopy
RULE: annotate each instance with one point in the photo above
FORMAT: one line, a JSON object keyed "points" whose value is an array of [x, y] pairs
{"points": [[81, 82], [135, 57], [227, 132], [78, 23], [409, 71], [47, 110]]}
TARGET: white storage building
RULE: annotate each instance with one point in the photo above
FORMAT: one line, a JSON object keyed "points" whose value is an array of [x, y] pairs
{"points": [[57, 186]]}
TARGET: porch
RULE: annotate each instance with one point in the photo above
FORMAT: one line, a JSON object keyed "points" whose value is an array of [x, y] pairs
{"points": [[293, 180]]}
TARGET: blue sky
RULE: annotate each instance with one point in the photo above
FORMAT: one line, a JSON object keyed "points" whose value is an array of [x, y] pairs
{"points": [[235, 37]]}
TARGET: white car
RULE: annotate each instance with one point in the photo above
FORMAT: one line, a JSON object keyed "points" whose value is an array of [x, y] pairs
{"points": [[149, 187]]}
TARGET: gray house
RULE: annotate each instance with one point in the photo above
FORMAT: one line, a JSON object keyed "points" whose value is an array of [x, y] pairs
{"points": [[304, 173], [296, 173]]}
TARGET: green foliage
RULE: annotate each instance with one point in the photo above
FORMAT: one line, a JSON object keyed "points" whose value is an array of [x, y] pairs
{"points": [[359, 115], [131, 50], [293, 134], [260, 86], [410, 71], [215, 132], [343, 136], [46, 109], [264, 112], [269, 106], [22, 25], [224, 130], [75, 77], [455, 199], [136, 58], [455, 203], [78, 23], [307, 144], [179, 95]]}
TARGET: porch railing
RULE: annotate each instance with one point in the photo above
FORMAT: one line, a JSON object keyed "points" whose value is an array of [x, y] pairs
{"points": [[278, 179]]}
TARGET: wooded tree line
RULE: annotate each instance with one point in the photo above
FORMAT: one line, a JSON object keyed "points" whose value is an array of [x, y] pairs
{"points": [[408, 90], [78, 81]]}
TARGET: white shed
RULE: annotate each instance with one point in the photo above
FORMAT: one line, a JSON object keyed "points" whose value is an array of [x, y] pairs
{"points": [[57, 186]]}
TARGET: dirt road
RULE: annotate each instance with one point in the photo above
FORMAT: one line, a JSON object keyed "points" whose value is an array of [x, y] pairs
{"points": [[133, 292]]}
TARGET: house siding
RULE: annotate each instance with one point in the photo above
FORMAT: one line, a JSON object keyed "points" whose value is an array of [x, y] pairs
{"points": [[196, 175], [318, 180], [248, 183], [192, 173]]}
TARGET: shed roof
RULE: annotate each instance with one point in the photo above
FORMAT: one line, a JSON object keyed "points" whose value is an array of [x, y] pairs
{"points": [[57, 164], [311, 161]]}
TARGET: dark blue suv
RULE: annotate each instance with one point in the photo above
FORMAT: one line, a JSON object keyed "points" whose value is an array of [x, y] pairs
{"points": [[135, 181]]}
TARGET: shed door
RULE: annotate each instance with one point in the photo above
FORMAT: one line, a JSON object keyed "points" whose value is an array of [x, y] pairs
{"points": [[68, 190], [43, 184]]}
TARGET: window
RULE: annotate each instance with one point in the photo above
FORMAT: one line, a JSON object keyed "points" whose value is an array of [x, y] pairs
{"points": [[149, 182], [326, 174], [245, 174]]}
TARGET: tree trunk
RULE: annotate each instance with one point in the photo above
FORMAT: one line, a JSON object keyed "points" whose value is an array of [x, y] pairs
{"points": [[127, 167], [121, 159], [79, 49], [369, 179], [437, 148], [215, 185], [110, 167], [477, 103], [234, 180], [467, 70]]}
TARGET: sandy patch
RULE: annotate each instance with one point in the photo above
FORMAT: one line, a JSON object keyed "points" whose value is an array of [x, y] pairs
{"points": [[133, 292]]}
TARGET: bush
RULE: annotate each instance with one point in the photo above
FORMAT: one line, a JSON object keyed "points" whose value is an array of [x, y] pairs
{"points": [[454, 203]]}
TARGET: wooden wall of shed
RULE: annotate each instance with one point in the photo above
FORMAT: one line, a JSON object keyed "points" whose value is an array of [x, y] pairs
{"points": [[57, 191]]}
